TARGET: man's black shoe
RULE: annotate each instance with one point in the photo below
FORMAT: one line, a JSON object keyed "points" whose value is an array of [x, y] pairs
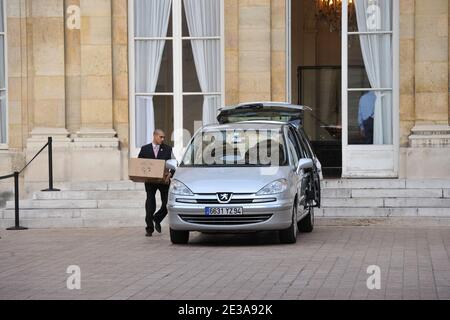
{"points": [[148, 234], [158, 227]]}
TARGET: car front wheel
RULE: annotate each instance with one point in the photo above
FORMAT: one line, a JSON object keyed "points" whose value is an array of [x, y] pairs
{"points": [[289, 236], [306, 225], [179, 237]]}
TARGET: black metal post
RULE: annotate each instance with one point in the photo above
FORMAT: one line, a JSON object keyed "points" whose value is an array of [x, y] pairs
{"points": [[17, 226], [50, 167]]}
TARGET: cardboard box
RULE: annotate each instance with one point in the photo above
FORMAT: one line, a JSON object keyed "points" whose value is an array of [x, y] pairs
{"points": [[148, 171]]}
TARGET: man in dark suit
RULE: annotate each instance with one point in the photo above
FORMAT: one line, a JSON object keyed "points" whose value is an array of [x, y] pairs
{"points": [[156, 150]]}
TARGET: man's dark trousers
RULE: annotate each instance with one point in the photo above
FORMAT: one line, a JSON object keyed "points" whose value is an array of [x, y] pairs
{"points": [[165, 153], [368, 130], [150, 205]]}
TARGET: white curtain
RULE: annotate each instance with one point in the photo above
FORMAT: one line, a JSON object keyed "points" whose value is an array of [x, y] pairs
{"points": [[203, 19], [151, 20], [377, 54]]}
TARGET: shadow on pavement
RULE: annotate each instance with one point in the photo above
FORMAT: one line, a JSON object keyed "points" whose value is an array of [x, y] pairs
{"points": [[235, 239]]}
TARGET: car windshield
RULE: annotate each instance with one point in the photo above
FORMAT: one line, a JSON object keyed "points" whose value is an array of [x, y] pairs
{"points": [[236, 148]]}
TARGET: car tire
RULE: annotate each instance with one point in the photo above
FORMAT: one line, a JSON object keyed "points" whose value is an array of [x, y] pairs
{"points": [[289, 235], [306, 225], [179, 237]]}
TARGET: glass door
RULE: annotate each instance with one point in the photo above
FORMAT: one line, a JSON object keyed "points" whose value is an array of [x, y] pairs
{"points": [[370, 98]]}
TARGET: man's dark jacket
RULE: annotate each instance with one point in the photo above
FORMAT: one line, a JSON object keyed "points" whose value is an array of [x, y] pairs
{"points": [[165, 152]]}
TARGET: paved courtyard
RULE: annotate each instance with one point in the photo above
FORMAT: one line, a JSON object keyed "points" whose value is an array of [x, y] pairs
{"points": [[330, 263]]}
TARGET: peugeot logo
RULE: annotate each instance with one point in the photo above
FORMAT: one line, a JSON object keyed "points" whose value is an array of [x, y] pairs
{"points": [[224, 197]]}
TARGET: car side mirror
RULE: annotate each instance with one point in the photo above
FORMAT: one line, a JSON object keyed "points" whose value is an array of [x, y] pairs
{"points": [[172, 164], [305, 164]]}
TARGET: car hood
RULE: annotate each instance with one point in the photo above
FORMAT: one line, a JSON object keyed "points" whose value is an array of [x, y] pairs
{"points": [[235, 179]]}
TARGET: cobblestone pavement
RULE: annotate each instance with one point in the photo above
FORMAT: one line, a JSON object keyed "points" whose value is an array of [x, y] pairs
{"points": [[330, 263]]}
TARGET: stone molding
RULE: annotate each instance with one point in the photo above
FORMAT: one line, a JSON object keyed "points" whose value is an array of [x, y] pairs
{"points": [[430, 136], [84, 139]]}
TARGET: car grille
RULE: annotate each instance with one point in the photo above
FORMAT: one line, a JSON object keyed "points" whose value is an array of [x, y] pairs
{"points": [[238, 200], [215, 201], [226, 220]]}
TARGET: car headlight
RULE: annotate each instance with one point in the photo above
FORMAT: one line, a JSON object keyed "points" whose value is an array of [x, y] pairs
{"points": [[276, 187], [178, 188]]}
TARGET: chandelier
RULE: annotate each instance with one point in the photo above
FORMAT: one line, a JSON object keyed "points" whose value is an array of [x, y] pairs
{"points": [[330, 12]]}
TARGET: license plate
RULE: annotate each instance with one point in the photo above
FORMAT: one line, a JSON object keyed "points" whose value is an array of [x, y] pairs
{"points": [[224, 211]]}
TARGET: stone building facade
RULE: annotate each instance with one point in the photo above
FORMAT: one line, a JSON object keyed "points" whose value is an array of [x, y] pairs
{"points": [[68, 76]]}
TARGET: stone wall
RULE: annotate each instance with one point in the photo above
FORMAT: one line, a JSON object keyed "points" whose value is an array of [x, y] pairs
{"points": [[255, 50], [64, 83]]}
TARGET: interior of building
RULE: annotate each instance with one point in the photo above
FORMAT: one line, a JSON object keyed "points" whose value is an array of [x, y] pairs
{"points": [[316, 79]]}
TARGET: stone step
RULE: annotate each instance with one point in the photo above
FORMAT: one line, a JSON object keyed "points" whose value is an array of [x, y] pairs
{"points": [[336, 193], [397, 193], [352, 203], [100, 186], [385, 184], [382, 212], [417, 203], [78, 204], [385, 193], [90, 195], [60, 223], [76, 213], [385, 203], [364, 184], [53, 204]]}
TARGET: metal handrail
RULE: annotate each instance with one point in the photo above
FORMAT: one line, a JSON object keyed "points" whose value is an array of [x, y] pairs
{"points": [[16, 175]]}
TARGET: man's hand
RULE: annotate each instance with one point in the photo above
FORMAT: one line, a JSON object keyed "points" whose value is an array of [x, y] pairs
{"points": [[363, 133], [167, 178]]}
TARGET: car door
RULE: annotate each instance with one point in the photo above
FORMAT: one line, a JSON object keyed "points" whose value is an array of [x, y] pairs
{"points": [[301, 177], [306, 145]]}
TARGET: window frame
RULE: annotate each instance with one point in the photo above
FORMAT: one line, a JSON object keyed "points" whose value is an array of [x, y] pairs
{"points": [[5, 146], [394, 149], [178, 93]]}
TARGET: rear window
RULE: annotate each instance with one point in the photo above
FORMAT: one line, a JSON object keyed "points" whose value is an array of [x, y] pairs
{"points": [[236, 148], [255, 113], [272, 116]]}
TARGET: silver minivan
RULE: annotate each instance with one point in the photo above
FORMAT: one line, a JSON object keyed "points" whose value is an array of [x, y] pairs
{"points": [[243, 177]]}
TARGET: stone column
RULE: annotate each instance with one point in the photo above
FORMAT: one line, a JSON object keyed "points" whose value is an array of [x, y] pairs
{"points": [[431, 56], [231, 52], [96, 69], [46, 87], [95, 153], [120, 78], [46, 71], [73, 65], [407, 68], [427, 156], [278, 50], [255, 51]]}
